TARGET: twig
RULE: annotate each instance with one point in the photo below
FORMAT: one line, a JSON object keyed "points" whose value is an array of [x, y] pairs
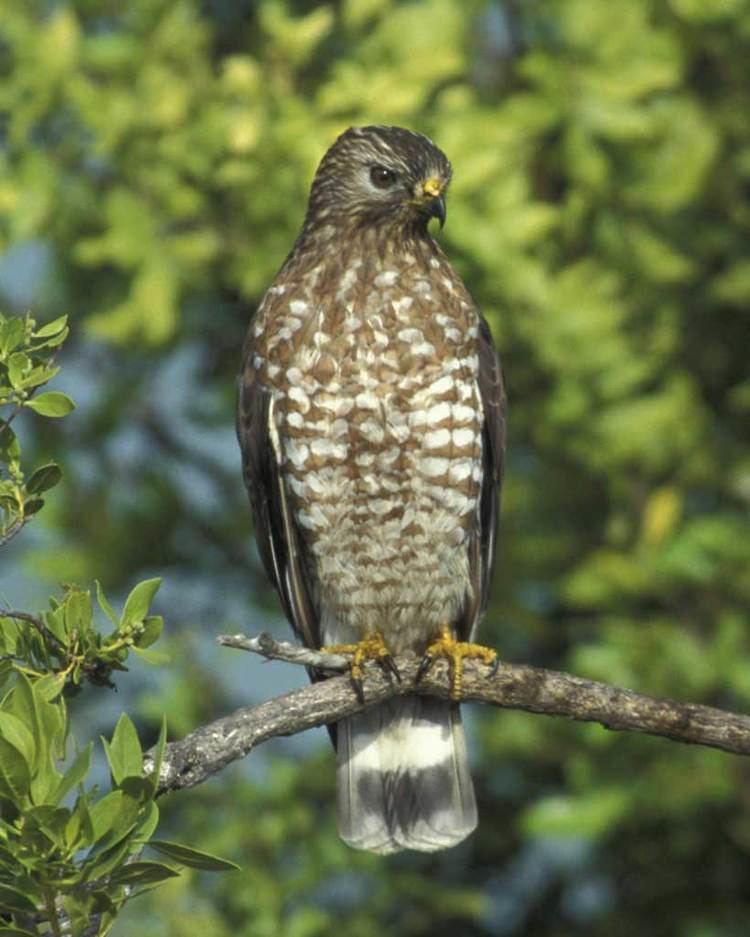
{"points": [[209, 748], [272, 649], [15, 528], [38, 624]]}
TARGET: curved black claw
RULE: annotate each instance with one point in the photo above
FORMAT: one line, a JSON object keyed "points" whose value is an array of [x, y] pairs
{"points": [[388, 665], [424, 665], [494, 667], [358, 688], [372, 647]]}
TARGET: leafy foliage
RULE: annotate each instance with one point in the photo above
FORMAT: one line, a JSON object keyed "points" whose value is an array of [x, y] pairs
{"points": [[68, 867], [68, 864], [66, 643], [65, 864], [26, 364], [599, 214]]}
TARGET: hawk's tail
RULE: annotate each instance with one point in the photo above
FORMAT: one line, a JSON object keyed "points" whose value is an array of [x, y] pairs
{"points": [[403, 777]]}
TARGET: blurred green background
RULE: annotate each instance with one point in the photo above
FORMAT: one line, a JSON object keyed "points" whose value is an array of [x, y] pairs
{"points": [[155, 158]]}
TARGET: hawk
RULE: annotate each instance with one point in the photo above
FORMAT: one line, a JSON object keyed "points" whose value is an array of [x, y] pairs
{"points": [[372, 427]]}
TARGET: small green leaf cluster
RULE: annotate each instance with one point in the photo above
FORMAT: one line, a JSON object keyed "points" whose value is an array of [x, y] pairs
{"points": [[58, 862], [67, 855], [67, 861], [64, 641], [26, 363]]}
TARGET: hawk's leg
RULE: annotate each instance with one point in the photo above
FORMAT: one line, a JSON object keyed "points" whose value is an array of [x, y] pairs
{"points": [[373, 647], [455, 652]]}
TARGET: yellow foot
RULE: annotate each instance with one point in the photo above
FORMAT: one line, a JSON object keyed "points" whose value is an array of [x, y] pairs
{"points": [[373, 647], [455, 653]]}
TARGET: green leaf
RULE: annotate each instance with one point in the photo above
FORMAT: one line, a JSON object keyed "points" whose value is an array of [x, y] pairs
{"points": [[143, 873], [113, 818], [52, 716], [9, 635], [157, 753], [18, 364], [15, 731], [102, 863], [51, 328], [145, 829], [43, 478], [104, 814], [47, 723], [104, 605], [24, 704], [124, 752], [15, 776], [153, 625], [57, 340], [75, 773], [78, 611], [48, 820], [32, 506], [55, 623], [10, 449], [157, 658], [53, 403], [139, 788], [12, 333], [37, 376], [15, 932], [86, 834], [50, 686], [14, 900], [194, 858], [45, 782], [139, 601]]}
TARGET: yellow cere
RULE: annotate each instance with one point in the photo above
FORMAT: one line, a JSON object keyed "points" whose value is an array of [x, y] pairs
{"points": [[433, 187]]}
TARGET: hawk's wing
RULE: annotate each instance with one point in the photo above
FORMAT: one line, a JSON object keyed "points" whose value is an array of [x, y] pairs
{"points": [[482, 544], [278, 538]]}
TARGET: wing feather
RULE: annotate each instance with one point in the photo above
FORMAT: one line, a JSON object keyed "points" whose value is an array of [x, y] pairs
{"points": [[482, 546], [276, 532]]}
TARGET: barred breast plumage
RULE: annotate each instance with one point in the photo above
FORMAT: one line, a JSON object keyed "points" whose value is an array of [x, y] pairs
{"points": [[377, 421], [372, 426]]}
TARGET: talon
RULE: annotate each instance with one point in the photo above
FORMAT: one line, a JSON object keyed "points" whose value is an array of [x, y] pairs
{"points": [[389, 667], [357, 686], [424, 665], [455, 652], [373, 647]]}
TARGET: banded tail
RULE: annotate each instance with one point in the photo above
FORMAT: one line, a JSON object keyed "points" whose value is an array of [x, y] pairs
{"points": [[403, 778]]}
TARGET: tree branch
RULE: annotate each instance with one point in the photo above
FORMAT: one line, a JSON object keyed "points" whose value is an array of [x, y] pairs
{"points": [[208, 749]]}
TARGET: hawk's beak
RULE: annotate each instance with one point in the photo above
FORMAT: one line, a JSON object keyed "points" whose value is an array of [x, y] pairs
{"points": [[436, 209], [433, 193]]}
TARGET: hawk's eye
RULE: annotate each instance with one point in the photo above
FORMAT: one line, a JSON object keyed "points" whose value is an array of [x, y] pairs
{"points": [[383, 178]]}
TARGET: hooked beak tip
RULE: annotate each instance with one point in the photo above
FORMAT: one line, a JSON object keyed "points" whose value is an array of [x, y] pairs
{"points": [[437, 209]]}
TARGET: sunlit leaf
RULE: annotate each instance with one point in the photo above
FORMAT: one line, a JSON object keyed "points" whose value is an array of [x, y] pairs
{"points": [[139, 601], [51, 328], [52, 403], [15, 774], [124, 751], [143, 873], [156, 658], [75, 774], [104, 605], [194, 858]]}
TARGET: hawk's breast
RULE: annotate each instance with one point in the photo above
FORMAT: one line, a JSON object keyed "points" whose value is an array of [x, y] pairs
{"points": [[377, 423]]}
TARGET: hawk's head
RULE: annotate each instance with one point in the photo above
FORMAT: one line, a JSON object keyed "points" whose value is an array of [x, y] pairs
{"points": [[380, 176]]}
